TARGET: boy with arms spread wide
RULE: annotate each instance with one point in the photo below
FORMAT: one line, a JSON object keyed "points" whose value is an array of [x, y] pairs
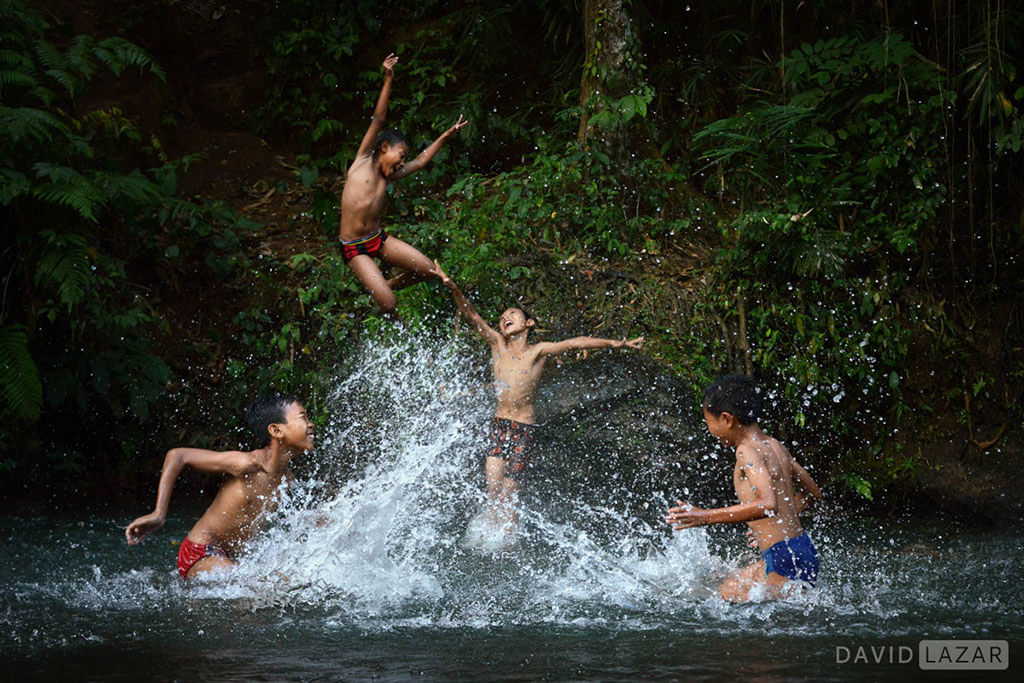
{"points": [[517, 366], [772, 489], [380, 160], [283, 431]]}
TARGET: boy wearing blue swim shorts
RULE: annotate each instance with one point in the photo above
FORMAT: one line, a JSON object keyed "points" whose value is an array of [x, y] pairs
{"points": [[772, 489]]}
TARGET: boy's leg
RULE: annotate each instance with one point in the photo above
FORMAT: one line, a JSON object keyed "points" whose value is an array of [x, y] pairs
{"points": [[737, 586], [208, 564], [500, 492], [373, 280], [417, 266]]}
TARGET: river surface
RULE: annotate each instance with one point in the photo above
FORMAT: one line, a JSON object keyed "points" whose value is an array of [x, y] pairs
{"points": [[374, 567]]}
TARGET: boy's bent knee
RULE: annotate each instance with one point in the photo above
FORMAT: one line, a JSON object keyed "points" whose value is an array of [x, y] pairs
{"points": [[386, 301]]}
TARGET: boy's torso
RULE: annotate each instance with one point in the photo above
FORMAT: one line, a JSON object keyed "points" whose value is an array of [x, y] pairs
{"points": [[785, 523], [362, 200], [516, 377], [238, 511]]}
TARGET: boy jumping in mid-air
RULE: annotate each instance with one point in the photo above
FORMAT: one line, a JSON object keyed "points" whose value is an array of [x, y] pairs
{"points": [[283, 431], [772, 489], [517, 366], [380, 160]]}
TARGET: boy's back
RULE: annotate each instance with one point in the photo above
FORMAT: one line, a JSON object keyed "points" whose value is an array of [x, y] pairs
{"points": [[780, 467]]}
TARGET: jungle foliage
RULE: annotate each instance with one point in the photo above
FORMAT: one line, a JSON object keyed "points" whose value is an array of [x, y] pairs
{"points": [[852, 174]]}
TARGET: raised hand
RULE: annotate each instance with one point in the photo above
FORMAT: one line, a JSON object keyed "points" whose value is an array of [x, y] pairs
{"points": [[389, 65], [458, 125], [439, 272], [633, 343]]}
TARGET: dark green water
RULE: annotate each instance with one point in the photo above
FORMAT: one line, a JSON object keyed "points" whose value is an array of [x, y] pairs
{"points": [[79, 605]]}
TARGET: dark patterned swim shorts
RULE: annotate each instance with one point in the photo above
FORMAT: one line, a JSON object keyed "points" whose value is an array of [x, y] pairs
{"points": [[511, 441]]}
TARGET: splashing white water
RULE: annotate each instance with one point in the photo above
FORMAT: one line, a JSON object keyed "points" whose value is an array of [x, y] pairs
{"points": [[392, 539]]}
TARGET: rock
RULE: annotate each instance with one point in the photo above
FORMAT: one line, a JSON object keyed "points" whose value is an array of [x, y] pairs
{"points": [[621, 430]]}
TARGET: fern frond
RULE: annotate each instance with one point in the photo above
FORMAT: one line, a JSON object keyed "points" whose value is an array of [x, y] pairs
{"points": [[16, 79], [19, 123], [68, 188], [14, 58], [66, 79], [80, 57], [20, 20], [133, 186], [64, 265], [13, 185], [82, 198], [21, 392], [48, 55], [55, 65], [116, 53], [327, 127]]}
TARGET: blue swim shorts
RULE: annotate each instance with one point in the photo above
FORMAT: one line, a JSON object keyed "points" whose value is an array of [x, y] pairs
{"points": [[795, 558]]}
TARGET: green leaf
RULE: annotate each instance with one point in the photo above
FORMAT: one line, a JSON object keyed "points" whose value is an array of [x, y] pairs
{"points": [[308, 175], [21, 392]]}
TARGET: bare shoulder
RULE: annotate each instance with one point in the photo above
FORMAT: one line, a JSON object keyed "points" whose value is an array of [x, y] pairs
{"points": [[541, 349], [359, 165], [259, 460], [752, 454], [779, 449], [243, 463]]}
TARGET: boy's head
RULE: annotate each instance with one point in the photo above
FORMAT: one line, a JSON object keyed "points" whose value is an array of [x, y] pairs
{"points": [[279, 416], [515, 321], [731, 400], [390, 150]]}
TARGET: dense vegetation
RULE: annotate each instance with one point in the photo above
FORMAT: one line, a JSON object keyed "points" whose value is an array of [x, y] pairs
{"points": [[826, 197]]}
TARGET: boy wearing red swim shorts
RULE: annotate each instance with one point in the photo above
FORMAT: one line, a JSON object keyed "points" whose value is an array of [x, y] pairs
{"points": [[517, 366], [247, 495], [379, 161]]}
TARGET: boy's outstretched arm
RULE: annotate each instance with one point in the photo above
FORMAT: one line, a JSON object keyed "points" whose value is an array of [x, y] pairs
{"points": [[466, 308], [575, 343], [426, 155], [380, 112], [235, 463], [764, 505]]}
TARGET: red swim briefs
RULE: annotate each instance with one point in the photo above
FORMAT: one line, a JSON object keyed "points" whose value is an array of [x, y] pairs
{"points": [[189, 553], [370, 246]]}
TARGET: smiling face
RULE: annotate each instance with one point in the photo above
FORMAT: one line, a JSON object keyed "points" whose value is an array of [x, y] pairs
{"points": [[391, 158], [721, 427], [514, 321], [296, 432]]}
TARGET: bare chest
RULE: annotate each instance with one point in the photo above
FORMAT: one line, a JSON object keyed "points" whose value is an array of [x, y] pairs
{"points": [[516, 370], [364, 190]]}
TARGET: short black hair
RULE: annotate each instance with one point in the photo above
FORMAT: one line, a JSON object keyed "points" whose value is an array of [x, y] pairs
{"points": [[527, 313], [738, 395], [392, 136], [265, 411]]}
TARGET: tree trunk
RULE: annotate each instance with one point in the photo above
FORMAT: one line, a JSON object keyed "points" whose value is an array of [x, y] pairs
{"points": [[612, 70]]}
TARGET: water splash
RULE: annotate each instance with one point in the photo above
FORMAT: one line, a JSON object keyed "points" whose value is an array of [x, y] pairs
{"points": [[372, 536], [390, 541]]}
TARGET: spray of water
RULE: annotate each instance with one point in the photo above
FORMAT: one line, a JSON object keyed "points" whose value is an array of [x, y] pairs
{"points": [[399, 535]]}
